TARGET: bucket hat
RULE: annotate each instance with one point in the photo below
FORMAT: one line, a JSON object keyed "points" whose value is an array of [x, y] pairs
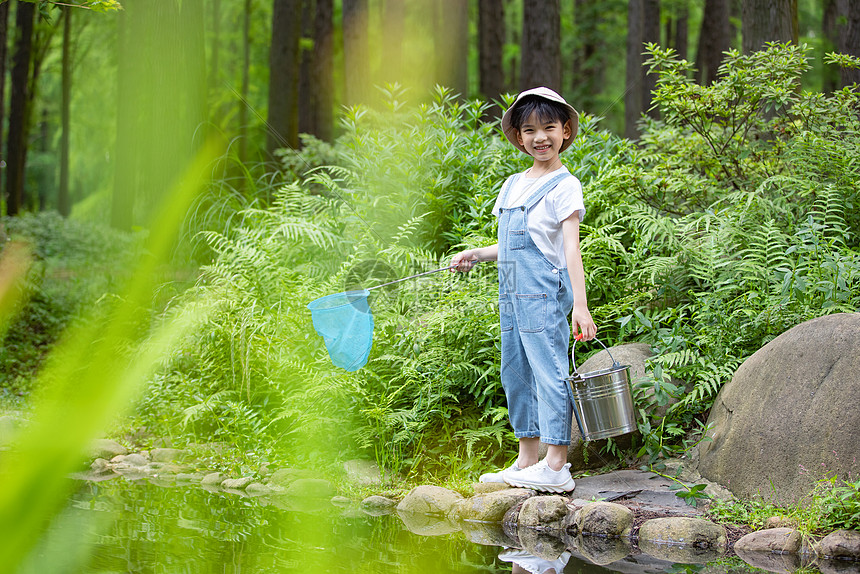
{"points": [[511, 132]]}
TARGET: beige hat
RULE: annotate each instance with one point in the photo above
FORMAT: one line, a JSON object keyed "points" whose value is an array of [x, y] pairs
{"points": [[511, 132]]}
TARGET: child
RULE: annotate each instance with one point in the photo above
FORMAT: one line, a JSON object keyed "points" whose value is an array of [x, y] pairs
{"points": [[541, 280]]}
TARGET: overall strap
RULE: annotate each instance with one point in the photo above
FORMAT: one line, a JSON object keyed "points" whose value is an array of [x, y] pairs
{"points": [[538, 194], [506, 188]]}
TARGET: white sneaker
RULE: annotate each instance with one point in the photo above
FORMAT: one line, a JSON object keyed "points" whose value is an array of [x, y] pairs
{"points": [[531, 563], [499, 476], [541, 477]]}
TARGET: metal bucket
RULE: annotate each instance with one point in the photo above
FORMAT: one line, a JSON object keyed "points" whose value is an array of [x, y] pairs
{"points": [[602, 402]]}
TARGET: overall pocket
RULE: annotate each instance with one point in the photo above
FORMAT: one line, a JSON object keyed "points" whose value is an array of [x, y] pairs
{"points": [[531, 317], [516, 239]]}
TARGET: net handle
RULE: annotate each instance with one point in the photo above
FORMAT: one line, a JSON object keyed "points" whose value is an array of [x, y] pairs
{"points": [[411, 277]]}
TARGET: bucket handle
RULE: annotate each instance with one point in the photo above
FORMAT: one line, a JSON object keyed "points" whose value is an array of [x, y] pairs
{"points": [[615, 364]]}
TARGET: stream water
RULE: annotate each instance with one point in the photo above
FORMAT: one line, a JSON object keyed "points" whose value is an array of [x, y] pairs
{"points": [[124, 527]]}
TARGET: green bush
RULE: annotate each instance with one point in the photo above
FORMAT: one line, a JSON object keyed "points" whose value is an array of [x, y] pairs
{"points": [[74, 264], [730, 221]]}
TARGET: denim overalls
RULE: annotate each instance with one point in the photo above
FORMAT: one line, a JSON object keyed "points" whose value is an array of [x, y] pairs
{"points": [[535, 299]]}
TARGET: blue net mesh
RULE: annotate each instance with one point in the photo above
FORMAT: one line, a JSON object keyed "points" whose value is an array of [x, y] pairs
{"points": [[346, 325]]}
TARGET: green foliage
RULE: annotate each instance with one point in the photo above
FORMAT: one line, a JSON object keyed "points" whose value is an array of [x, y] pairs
{"points": [[74, 265], [734, 221], [833, 504], [838, 502], [731, 221]]}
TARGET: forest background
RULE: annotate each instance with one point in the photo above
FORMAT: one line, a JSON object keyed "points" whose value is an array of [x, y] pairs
{"points": [[354, 142]]}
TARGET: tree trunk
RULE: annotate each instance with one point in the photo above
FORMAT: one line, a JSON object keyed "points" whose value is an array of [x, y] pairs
{"points": [[216, 41], [64, 205], [714, 39], [306, 89], [125, 186], [650, 34], [18, 113], [4, 25], [215, 66], [283, 76], [194, 57], [323, 70], [830, 80], [588, 61], [682, 33], [161, 102], [633, 73], [355, 51], [768, 21], [453, 46], [491, 43], [246, 67], [849, 37], [394, 21], [540, 63]]}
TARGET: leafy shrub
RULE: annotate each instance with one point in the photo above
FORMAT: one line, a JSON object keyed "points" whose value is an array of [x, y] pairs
{"points": [[732, 222], [74, 264], [729, 222]]}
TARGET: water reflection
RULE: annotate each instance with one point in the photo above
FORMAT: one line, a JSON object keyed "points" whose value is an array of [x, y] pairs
{"points": [[119, 526]]}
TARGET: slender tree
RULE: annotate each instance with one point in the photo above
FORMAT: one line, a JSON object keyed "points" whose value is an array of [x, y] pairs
{"points": [[633, 73], [677, 28], [491, 43], [768, 21], [193, 41], [160, 103], [4, 23], [215, 45], [16, 147], [540, 51], [714, 39], [393, 22], [849, 37], [355, 34], [63, 203], [323, 70], [125, 184], [306, 89], [830, 32], [452, 49], [284, 76], [588, 59], [650, 34], [246, 81]]}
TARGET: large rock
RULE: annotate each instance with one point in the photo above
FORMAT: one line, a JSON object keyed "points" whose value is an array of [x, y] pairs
{"points": [[546, 512], [362, 472], [491, 506], [584, 455], [106, 449], [779, 540], [789, 413], [429, 499], [844, 544], [694, 532], [605, 519]]}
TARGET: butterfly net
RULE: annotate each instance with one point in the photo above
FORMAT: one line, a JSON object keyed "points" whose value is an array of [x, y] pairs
{"points": [[345, 323]]}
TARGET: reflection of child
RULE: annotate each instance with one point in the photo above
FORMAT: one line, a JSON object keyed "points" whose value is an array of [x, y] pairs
{"points": [[541, 280], [524, 562]]}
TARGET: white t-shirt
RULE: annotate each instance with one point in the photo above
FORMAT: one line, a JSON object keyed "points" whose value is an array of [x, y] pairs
{"points": [[545, 218]]}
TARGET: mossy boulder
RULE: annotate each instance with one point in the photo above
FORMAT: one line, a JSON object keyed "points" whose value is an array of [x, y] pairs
{"points": [[429, 499], [790, 413], [490, 506]]}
